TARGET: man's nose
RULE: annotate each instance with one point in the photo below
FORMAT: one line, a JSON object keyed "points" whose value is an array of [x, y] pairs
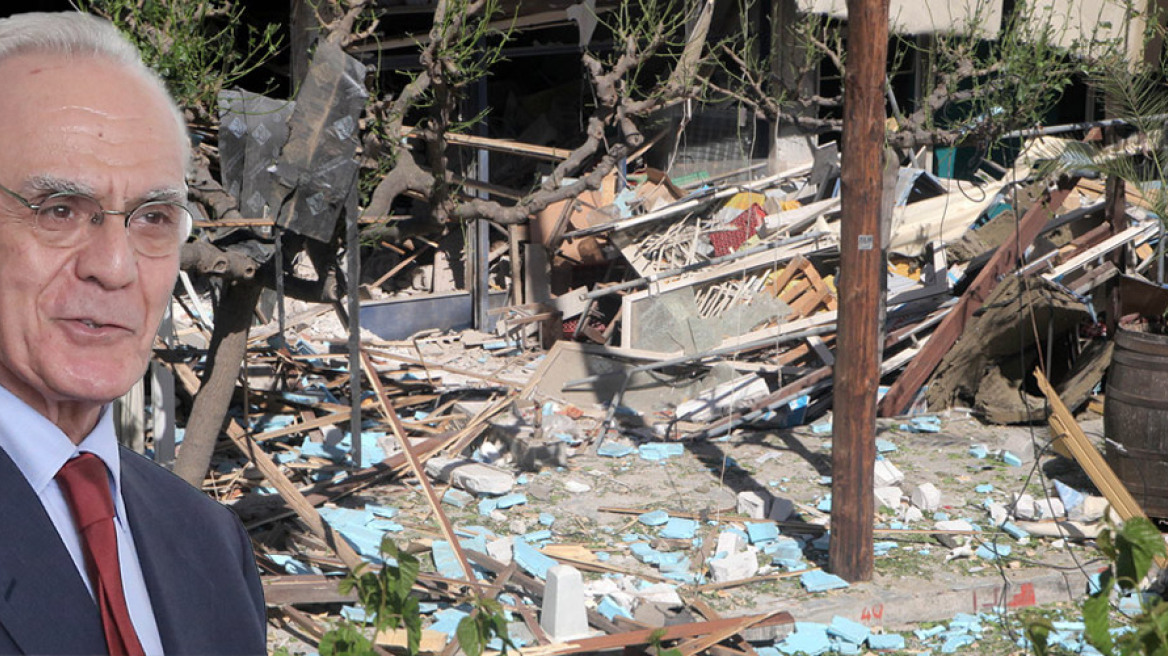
{"points": [[106, 255]]}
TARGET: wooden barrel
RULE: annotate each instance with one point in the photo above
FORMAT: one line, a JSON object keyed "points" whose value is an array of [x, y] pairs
{"points": [[1135, 417]]}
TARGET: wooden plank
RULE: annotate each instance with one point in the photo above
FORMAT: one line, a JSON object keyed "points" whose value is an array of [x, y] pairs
{"points": [[1139, 233], [292, 496], [304, 589], [1003, 260], [674, 632], [1066, 432]]}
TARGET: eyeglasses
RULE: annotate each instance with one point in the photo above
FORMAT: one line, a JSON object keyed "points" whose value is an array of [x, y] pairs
{"points": [[155, 228]]}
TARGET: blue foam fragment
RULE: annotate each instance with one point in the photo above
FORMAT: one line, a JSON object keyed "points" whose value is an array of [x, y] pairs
{"points": [[820, 581], [654, 518], [679, 528], [848, 630]]}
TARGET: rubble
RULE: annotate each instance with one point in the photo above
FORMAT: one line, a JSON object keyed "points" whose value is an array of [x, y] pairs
{"points": [[650, 444]]}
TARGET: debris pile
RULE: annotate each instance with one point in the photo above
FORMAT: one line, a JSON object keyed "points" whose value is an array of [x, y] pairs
{"points": [[648, 435]]}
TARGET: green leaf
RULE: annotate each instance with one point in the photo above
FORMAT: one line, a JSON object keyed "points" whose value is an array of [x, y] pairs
{"points": [[1095, 619], [1038, 631], [468, 636], [1137, 543], [345, 640]]}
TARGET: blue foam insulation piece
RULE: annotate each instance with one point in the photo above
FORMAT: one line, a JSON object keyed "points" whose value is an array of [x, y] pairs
{"points": [[762, 532], [679, 528], [446, 621], [886, 641], [848, 631], [445, 561], [654, 518], [658, 451], [510, 500], [456, 497], [808, 638], [611, 609], [292, 565], [531, 560], [821, 581], [614, 450]]}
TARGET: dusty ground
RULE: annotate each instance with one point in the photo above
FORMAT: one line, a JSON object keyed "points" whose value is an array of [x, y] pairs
{"points": [[580, 503]]}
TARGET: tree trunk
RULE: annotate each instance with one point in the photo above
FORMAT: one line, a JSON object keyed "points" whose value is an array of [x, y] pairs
{"points": [[233, 317]]}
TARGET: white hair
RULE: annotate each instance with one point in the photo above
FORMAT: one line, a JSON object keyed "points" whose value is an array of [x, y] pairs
{"points": [[73, 35]]}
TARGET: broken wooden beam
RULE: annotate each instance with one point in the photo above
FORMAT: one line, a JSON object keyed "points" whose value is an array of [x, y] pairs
{"points": [[1004, 260]]}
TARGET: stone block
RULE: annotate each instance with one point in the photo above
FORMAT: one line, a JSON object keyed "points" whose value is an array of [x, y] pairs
{"points": [[474, 477], [927, 497], [753, 504], [886, 474], [563, 615], [889, 497], [736, 567], [500, 550], [730, 542]]}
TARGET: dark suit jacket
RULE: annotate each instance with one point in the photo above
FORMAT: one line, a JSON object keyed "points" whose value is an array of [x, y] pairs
{"points": [[196, 559]]}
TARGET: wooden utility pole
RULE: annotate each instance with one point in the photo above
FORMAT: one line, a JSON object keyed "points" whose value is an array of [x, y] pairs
{"points": [[861, 287]]}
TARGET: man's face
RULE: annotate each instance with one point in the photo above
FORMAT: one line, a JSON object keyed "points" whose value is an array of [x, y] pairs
{"points": [[77, 323]]}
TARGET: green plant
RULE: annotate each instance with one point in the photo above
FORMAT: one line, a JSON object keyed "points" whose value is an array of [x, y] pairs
{"points": [[486, 621], [193, 45], [655, 639], [385, 595], [1131, 549]]}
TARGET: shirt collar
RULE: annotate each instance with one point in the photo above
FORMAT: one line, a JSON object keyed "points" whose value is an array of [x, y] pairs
{"points": [[39, 448]]}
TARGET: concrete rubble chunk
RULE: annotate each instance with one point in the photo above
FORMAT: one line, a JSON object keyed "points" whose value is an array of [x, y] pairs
{"points": [[886, 474], [753, 504], [781, 509], [1091, 510], [500, 550], [927, 497], [730, 542], [735, 567], [889, 497], [1029, 508], [724, 398], [474, 477], [563, 616]]}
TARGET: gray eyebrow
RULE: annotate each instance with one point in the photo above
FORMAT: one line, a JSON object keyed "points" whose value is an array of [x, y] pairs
{"points": [[47, 184]]}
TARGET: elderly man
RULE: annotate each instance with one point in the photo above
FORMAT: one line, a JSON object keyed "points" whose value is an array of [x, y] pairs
{"points": [[100, 549]]}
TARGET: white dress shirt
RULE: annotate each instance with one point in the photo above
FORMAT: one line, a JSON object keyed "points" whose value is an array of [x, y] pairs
{"points": [[39, 449]]}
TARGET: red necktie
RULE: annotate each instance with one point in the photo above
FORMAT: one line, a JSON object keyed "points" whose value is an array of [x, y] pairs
{"points": [[84, 482]]}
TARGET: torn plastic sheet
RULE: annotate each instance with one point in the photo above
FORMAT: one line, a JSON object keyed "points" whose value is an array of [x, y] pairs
{"points": [[318, 166]]}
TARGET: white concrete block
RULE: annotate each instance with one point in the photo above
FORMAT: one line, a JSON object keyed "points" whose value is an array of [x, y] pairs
{"points": [[953, 525], [889, 496], [563, 616], [741, 565], [660, 593], [500, 550], [471, 476], [752, 504], [913, 514], [1024, 506], [730, 542], [886, 474], [723, 399], [1091, 510], [927, 497]]}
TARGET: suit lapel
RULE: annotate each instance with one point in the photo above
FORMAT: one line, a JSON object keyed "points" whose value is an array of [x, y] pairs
{"points": [[44, 605], [164, 581]]}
